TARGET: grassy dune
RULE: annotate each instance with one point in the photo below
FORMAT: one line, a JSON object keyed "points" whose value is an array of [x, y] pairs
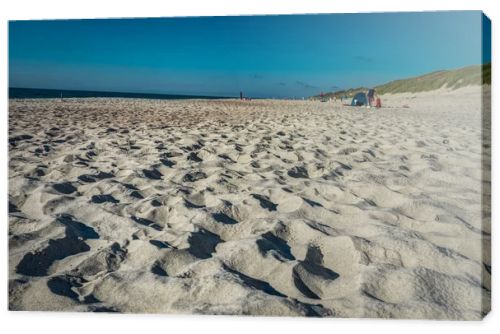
{"points": [[466, 76]]}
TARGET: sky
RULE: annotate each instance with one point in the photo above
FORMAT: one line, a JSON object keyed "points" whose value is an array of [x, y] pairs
{"points": [[263, 56]]}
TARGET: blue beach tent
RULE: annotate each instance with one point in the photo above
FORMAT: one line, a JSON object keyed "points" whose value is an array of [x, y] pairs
{"points": [[360, 99]]}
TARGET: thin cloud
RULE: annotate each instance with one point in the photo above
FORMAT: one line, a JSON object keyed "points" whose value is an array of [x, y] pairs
{"points": [[363, 59], [306, 85]]}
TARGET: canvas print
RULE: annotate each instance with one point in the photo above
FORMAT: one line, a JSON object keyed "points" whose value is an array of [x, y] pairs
{"points": [[330, 165]]}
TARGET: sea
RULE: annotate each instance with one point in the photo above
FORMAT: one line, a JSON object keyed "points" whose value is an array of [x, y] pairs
{"points": [[37, 93]]}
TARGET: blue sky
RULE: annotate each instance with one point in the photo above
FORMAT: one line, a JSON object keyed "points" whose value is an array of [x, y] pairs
{"points": [[265, 56]]}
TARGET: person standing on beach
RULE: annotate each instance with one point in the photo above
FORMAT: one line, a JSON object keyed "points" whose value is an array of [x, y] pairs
{"points": [[371, 95]]}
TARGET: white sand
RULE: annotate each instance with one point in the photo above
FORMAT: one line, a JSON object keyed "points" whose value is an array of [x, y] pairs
{"points": [[250, 207]]}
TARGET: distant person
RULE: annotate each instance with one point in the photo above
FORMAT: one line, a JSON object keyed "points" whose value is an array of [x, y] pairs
{"points": [[378, 103], [241, 95], [371, 96]]}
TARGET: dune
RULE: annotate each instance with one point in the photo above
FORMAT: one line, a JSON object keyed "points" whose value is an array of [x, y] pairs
{"points": [[263, 207]]}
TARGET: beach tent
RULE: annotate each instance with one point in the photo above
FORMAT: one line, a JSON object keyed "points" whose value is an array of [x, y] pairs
{"points": [[360, 99]]}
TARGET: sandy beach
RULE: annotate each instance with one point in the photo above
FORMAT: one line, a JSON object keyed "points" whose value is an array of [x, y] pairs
{"points": [[262, 207]]}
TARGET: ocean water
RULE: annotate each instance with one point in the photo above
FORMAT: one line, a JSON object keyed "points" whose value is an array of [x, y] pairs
{"points": [[36, 93]]}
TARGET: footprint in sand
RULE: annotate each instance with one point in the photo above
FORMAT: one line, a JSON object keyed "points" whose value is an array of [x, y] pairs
{"points": [[66, 285], [106, 260], [147, 222], [152, 174], [254, 283], [158, 270], [289, 203], [136, 194], [203, 243], [39, 262], [160, 244], [196, 200], [310, 276], [194, 157], [168, 163], [99, 199], [298, 172], [14, 140], [64, 188], [194, 176], [224, 219], [89, 178], [272, 244], [264, 202]]}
